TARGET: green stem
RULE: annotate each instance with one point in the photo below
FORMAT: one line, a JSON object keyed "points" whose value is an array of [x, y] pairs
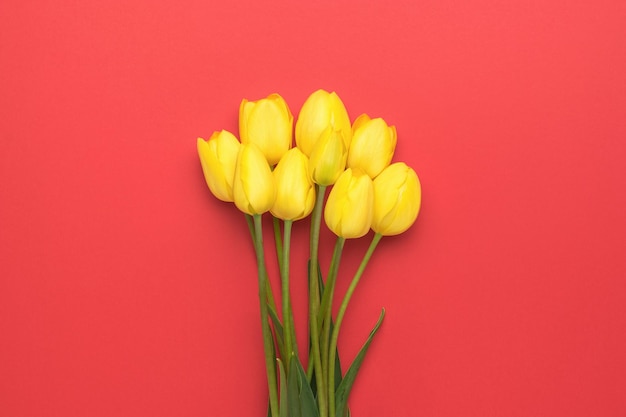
{"points": [[279, 243], [342, 311], [314, 302], [327, 307], [250, 223], [268, 285], [286, 298], [270, 360]]}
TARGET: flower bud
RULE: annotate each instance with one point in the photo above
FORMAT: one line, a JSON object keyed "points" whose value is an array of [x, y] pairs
{"points": [[319, 112], [218, 157], [295, 193], [372, 145], [397, 199], [254, 191], [349, 209], [268, 124], [328, 158]]}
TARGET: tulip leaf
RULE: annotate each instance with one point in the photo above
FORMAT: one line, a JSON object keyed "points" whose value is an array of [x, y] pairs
{"points": [[324, 299], [293, 391], [320, 277], [338, 374], [343, 391], [269, 403], [300, 396], [283, 390], [310, 371], [278, 331]]}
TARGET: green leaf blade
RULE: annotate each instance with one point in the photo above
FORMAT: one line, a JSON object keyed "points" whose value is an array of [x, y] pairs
{"points": [[278, 331], [343, 391], [308, 405], [283, 390]]}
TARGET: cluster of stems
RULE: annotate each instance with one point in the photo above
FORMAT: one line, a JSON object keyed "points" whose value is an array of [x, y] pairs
{"points": [[280, 345]]}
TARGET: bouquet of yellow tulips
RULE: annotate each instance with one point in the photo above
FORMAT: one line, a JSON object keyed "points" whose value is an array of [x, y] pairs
{"points": [[261, 172]]}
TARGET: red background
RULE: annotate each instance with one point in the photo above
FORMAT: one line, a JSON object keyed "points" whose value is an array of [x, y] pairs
{"points": [[126, 289]]}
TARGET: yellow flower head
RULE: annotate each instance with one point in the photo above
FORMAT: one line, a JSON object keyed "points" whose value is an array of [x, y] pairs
{"points": [[218, 157], [295, 193], [328, 157], [253, 188], [322, 110], [349, 209], [372, 145], [397, 199], [268, 123]]}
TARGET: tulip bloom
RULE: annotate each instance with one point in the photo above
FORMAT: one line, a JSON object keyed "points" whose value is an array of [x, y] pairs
{"points": [[253, 187], [372, 145], [295, 193], [328, 158], [349, 209], [322, 110], [218, 157], [268, 123], [397, 199]]}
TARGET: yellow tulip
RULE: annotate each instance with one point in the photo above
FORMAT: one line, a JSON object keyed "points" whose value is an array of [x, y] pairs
{"points": [[295, 193], [319, 112], [349, 209], [253, 187], [397, 199], [268, 123], [372, 145], [328, 158], [218, 157]]}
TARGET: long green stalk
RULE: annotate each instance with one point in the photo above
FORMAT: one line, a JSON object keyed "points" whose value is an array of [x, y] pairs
{"points": [[314, 302], [327, 307], [278, 242], [342, 311], [268, 285], [270, 360], [286, 298]]}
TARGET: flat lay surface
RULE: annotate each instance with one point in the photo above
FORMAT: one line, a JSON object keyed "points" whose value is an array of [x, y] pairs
{"points": [[127, 289]]}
